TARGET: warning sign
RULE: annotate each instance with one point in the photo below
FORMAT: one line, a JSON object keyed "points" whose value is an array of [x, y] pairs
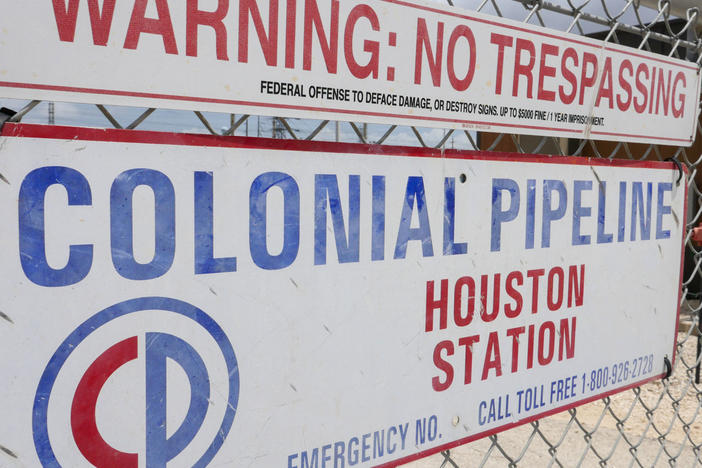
{"points": [[382, 61]]}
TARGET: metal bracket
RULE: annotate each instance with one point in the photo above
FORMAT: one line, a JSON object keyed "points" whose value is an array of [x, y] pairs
{"points": [[679, 166], [5, 115], [668, 367]]}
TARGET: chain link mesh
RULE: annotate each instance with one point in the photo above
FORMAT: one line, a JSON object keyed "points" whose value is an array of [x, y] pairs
{"points": [[659, 424]]}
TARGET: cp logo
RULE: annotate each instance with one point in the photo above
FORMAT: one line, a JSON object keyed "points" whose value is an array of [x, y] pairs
{"points": [[108, 369]]}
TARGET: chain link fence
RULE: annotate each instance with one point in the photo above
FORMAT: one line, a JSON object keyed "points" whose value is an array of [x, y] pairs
{"points": [[659, 424]]}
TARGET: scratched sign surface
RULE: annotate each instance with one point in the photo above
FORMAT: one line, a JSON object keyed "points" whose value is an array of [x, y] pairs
{"points": [[183, 300], [382, 61]]}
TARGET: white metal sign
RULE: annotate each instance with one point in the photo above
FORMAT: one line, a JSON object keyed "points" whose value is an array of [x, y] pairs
{"points": [[383, 61], [181, 299]]}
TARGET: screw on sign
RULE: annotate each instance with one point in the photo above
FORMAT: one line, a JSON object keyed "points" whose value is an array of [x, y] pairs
{"points": [[158, 348]]}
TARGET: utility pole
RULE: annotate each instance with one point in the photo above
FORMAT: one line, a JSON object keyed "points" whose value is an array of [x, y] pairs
{"points": [[277, 129], [52, 116]]}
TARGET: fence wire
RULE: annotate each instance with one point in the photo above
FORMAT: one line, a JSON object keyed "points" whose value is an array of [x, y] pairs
{"points": [[659, 424]]}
